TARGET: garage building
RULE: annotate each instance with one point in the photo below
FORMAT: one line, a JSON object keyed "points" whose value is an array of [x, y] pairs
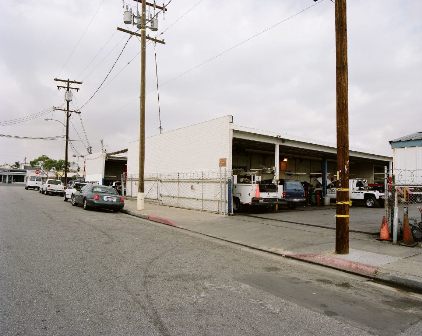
{"points": [[192, 167]]}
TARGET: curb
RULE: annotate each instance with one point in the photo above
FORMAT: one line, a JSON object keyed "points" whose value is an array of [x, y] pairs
{"points": [[151, 218], [367, 271]]}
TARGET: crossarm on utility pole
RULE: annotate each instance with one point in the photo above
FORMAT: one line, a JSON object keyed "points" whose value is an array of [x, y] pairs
{"points": [[163, 8], [140, 35], [67, 81]]}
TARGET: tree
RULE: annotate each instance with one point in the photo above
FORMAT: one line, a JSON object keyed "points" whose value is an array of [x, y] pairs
{"points": [[48, 164]]}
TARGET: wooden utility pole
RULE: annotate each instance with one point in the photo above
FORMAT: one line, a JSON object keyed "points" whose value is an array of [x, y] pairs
{"points": [[140, 204], [343, 200], [68, 99], [141, 195]]}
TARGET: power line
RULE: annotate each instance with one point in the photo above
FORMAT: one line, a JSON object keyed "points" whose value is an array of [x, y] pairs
{"points": [[98, 53], [225, 51], [158, 90], [108, 74], [25, 118], [89, 148], [181, 16], [161, 33], [32, 138], [83, 34]]}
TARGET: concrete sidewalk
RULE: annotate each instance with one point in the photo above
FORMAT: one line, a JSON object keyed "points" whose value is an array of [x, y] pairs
{"points": [[395, 264]]}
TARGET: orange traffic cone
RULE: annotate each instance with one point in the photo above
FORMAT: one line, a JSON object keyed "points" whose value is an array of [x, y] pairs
{"points": [[407, 233], [384, 231], [257, 192]]}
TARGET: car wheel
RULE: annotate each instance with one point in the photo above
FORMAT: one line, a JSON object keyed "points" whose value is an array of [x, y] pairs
{"points": [[26, 188], [370, 202], [73, 200], [85, 205]]}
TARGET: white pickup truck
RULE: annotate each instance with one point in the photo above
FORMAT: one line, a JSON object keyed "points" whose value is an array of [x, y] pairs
{"points": [[52, 187], [248, 189], [359, 192]]}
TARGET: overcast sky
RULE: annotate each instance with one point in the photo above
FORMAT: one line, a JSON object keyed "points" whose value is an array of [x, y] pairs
{"points": [[282, 80]]}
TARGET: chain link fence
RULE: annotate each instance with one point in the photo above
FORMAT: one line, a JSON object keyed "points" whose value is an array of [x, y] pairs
{"points": [[206, 190], [404, 196]]}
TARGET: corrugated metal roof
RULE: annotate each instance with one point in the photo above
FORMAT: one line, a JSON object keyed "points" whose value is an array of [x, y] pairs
{"points": [[410, 137]]}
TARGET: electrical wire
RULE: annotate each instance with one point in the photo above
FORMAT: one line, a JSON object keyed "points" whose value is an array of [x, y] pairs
{"points": [[158, 90], [32, 138], [181, 16], [28, 117], [237, 45], [108, 74], [97, 54], [89, 148], [83, 35]]}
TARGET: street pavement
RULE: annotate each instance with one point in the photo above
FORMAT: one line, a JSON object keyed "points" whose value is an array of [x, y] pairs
{"points": [[68, 271], [308, 236]]}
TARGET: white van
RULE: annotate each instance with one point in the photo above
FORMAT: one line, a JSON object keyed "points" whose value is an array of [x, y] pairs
{"points": [[33, 182]]}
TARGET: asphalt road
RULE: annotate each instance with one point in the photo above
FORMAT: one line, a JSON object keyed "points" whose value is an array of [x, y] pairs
{"points": [[67, 271]]}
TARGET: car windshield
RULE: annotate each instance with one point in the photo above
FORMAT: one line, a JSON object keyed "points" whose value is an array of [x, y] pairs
{"points": [[32, 178], [54, 182], [293, 185], [104, 190]]}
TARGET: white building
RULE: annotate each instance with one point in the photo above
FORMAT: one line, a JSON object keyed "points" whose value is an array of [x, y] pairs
{"points": [[190, 167], [407, 159]]}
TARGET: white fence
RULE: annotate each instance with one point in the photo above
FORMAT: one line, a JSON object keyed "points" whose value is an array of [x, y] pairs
{"points": [[206, 191]]}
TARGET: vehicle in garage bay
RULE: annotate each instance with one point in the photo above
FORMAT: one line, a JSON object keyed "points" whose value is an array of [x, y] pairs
{"points": [[250, 190], [291, 193], [98, 196], [359, 192]]}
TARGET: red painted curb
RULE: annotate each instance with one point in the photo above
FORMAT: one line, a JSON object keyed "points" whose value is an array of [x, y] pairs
{"points": [[337, 263], [161, 220]]}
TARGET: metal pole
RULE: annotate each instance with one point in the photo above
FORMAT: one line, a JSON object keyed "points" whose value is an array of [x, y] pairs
{"points": [[225, 191], [342, 212], [140, 204], [202, 191], [396, 217]]}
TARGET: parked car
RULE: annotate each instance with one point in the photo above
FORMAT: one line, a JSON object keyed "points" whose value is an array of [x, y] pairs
{"points": [[52, 187], [72, 188], [98, 196], [291, 193]]}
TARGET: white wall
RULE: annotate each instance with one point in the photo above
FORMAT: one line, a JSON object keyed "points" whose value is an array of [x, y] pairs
{"points": [[408, 165], [94, 167], [190, 149]]}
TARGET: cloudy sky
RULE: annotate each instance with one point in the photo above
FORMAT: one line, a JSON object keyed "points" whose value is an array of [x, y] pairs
{"points": [[270, 64]]}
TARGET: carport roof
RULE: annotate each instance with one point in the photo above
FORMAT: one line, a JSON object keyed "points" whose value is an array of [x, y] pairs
{"points": [[299, 147]]}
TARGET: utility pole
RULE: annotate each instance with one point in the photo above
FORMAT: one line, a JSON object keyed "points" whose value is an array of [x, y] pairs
{"points": [[142, 24], [68, 98], [343, 200]]}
